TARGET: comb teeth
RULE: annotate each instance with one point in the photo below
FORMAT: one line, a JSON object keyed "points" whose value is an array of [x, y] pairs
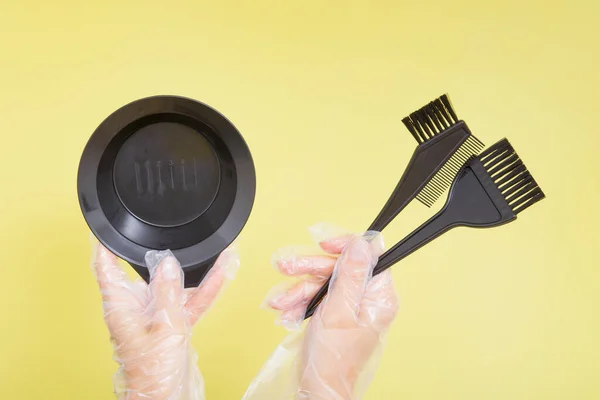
{"points": [[431, 120], [444, 177], [511, 176]]}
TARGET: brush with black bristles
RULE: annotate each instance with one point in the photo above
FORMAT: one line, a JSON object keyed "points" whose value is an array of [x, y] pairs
{"points": [[490, 190], [445, 143]]}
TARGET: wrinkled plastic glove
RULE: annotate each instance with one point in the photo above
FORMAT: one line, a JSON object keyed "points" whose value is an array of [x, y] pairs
{"points": [[151, 324], [335, 356]]}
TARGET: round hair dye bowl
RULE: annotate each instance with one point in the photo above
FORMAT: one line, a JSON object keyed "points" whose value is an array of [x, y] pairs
{"points": [[167, 172]]}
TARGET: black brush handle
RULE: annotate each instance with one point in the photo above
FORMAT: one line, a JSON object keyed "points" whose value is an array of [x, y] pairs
{"points": [[437, 225]]}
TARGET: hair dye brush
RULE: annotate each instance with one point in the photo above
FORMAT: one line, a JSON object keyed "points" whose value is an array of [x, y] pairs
{"points": [[490, 190], [445, 144]]}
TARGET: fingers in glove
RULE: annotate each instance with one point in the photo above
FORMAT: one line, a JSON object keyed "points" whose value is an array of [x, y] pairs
{"points": [[119, 302], [298, 262], [336, 245], [292, 261], [204, 296], [166, 287], [296, 295], [379, 304], [329, 233], [107, 270], [319, 265], [292, 319], [351, 274]]}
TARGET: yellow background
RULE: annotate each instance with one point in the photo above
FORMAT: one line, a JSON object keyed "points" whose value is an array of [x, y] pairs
{"points": [[318, 89]]}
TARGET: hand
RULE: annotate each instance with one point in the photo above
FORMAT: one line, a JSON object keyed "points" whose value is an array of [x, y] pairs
{"points": [[335, 356], [151, 324]]}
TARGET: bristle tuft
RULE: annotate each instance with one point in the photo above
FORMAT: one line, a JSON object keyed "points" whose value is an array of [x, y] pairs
{"points": [[511, 176], [442, 180], [411, 128], [431, 120], [448, 106]]}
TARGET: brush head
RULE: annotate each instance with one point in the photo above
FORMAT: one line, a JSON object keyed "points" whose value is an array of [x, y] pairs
{"points": [[510, 175], [432, 123], [431, 120]]}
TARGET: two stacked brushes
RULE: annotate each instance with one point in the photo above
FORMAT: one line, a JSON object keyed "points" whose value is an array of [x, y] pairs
{"points": [[487, 188]]}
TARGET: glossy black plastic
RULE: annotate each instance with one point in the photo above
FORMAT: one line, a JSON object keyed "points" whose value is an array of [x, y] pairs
{"points": [[167, 172]]}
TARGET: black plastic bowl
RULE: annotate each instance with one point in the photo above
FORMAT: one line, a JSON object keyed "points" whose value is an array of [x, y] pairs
{"points": [[167, 172]]}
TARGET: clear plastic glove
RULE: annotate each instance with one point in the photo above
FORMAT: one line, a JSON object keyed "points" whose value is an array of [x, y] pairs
{"points": [[335, 357], [151, 324]]}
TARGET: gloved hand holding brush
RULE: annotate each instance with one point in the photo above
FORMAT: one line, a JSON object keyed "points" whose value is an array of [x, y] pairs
{"points": [[335, 357], [151, 324]]}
